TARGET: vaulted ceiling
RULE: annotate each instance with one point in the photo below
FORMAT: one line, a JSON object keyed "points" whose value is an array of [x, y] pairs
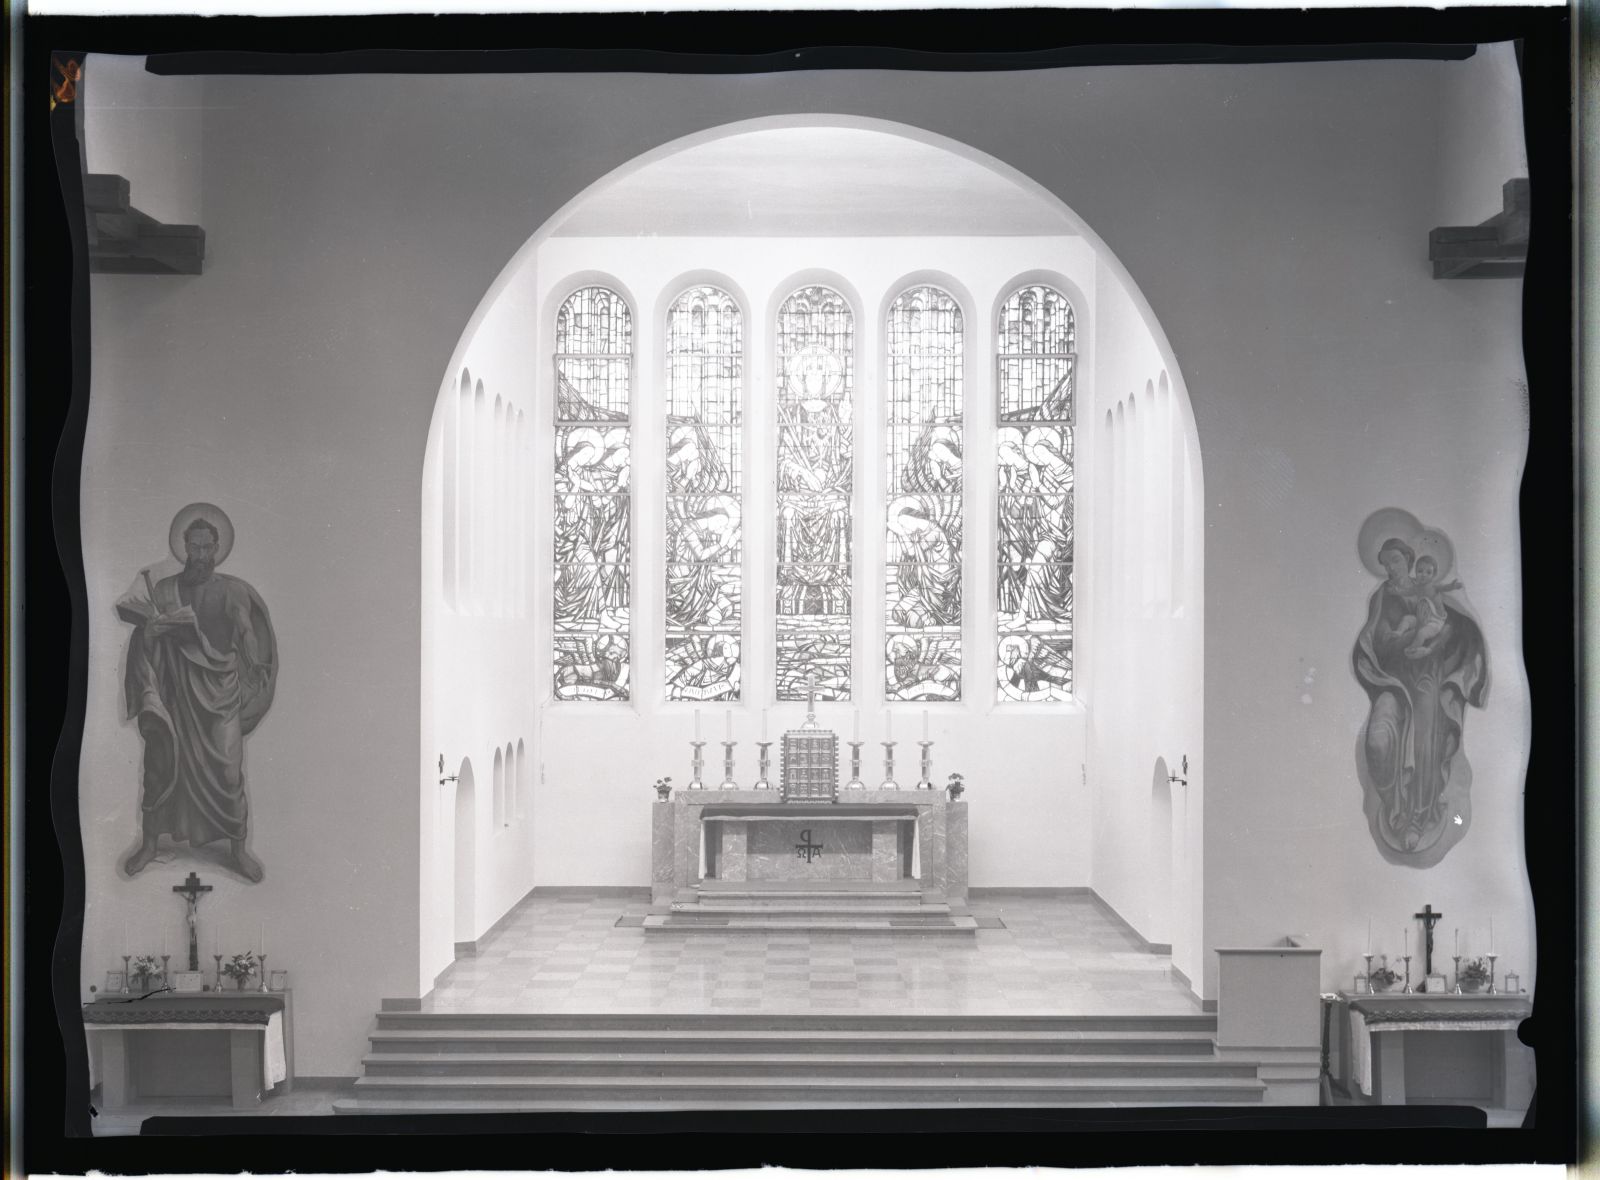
{"points": [[813, 182]]}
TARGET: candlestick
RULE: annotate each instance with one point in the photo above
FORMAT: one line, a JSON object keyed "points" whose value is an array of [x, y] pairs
{"points": [[1368, 976], [125, 985], [699, 764], [727, 783], [164, 959], [761, 783], [855, 783], [218, 958], [263, 958], [925, 784], [888, 783], [1457, 959], [1491, 956], [1407, 959]]}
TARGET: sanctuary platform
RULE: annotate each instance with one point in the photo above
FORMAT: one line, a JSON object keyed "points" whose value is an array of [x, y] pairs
{"points": [[872, 861]]}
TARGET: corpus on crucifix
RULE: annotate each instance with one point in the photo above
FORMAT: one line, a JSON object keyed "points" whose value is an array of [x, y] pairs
{"points": [[1428, 918], [191, 890]]}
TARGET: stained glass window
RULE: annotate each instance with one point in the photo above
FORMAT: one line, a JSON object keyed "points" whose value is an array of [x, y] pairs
{"points": [[593, 554], [1036, 387], [922, 578], [816, 385], [705, 480]]}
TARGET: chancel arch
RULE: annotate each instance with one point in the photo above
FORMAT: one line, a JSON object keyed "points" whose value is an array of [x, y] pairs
{"points": [[818, 403]]}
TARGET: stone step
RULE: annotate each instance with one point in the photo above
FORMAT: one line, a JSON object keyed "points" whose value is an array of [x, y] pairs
{"points": [[887, 889], [801, 1091], [800, 1024], [805, 907], [829, 1064], [423, 1107], [1048, 1045], [858, 923]]}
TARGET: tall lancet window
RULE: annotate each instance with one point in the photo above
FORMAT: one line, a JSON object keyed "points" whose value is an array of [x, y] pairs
{"points": [[705, 481], [922, 580], [594, 365], [816, 384], [1036, 388]]}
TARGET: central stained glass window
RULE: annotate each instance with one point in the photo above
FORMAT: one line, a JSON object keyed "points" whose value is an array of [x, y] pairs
{"points": [[593, 552], [815, 484], [922, 579], [1036, 388], [705, 480]]}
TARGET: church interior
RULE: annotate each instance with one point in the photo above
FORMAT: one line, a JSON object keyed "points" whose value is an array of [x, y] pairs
{"points": [[825, 588]]}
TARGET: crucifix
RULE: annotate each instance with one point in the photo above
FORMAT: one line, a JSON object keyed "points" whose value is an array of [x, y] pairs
{"points": [[191, 890], [1428, 918]]}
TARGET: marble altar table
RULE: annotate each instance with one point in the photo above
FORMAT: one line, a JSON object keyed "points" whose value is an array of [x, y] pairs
{"points": [[1396, 1048], [156, 1047], [866, 838]]}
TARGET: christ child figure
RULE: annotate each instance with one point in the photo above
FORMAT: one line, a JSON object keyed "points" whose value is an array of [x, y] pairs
{"points": [[1430, 610]]}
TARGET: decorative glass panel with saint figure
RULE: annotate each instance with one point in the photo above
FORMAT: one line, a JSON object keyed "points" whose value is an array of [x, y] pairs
{"points": [[705, 481], [1036, 388], [816, 387], [922, 582], [593, 554]]}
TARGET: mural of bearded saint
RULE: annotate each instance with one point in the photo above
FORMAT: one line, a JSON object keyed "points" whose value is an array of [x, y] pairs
{"points": [[814, 477]]}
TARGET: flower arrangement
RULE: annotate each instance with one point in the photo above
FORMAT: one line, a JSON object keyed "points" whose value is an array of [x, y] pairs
{"points": [[144, 968], [240, 968], [955, 786], [1474, 975], [1383, 976], [664, 787]]}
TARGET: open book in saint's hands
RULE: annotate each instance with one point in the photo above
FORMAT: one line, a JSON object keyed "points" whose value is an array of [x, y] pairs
{"points": [[139, 609]]}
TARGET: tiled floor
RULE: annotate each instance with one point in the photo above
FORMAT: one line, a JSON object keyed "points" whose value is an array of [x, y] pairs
{"points": [[566, 953]]}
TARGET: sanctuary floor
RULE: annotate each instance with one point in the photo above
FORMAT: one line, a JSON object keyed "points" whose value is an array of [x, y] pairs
{"points": [[564, 951]]}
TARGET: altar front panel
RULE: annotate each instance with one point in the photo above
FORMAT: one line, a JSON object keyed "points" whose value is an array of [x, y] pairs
{"points": [[808, 848]]}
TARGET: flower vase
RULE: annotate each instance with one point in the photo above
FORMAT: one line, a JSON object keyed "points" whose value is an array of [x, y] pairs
{"points": [[141, 982], [243, 980]]}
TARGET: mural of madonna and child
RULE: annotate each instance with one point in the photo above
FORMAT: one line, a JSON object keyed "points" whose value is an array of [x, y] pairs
{"points": [[1421, 659]]}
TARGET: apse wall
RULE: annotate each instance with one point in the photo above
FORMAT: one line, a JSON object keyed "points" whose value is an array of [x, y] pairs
{"points": [[1275, 218], [1144, 573], [1023, 763]]}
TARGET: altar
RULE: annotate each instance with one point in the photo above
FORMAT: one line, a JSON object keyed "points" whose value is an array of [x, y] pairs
{"points": [[1396, 1048], [723, 853]]}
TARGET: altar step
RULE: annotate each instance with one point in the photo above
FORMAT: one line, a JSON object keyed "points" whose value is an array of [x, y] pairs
{"points": [[450, 1062], [854, 908]]}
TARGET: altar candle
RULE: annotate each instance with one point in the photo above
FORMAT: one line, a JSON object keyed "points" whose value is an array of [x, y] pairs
{"points": [[261, 938], [888, 726], [1458, 942], [1369, 936], [858, 725], [124, 936], [1406, 933], [763, 725], [728, 716], [163, 942], [1491, 934], [697, 725], [924, 725]]}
